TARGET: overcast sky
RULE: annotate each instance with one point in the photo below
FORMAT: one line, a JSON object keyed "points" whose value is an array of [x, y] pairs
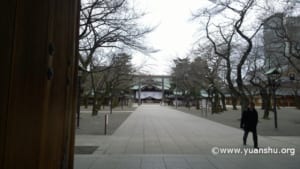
{"points": [[174, 35]]}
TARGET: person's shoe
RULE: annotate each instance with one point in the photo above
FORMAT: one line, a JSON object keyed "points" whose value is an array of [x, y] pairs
{"points": [[256, 147]]}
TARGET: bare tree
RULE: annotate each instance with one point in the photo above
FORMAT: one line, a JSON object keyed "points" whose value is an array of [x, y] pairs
{"points": [[231, 28], [232, 41], [109, 84], [256, 75], [109, 24], [107, 27]]}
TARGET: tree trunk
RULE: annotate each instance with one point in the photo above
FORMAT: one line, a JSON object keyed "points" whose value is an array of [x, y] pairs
{"points": [[197, 104], [223, 100], [266, 102], [267, 107], [110, 104], [234, 102], [95, 105], [188, 103], [244, 102], [217, 103], [86, 102], [297, 100], [95, 98]]}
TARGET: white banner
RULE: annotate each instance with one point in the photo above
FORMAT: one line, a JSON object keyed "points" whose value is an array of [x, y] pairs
{"points": [[146, 94]]}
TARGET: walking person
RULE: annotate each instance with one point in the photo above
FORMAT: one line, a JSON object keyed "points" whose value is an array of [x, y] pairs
{"points": [[249, 122]]}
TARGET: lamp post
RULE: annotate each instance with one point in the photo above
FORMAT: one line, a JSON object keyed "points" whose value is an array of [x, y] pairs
{"points": [[273, 77]]}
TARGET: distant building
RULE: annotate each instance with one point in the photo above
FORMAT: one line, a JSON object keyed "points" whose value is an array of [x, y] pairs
{"points": [[274, 41], [281, 38], [151, 88], [281, 34]]}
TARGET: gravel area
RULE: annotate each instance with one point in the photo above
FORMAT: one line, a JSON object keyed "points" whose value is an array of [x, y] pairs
{"points": [[94, 125]]}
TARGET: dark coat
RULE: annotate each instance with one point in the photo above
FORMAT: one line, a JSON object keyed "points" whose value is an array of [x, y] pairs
{"points": [[249, 120]]}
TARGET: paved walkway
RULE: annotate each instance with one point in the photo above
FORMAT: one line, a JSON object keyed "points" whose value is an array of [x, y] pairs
{"points": [[158, 137]]}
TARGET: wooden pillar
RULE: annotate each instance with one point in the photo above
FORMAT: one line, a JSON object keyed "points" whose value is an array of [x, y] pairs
{"points": [[38, 83], [6, 33]]}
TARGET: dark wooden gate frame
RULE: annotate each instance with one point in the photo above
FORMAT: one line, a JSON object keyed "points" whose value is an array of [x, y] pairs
{"points": [[38, 71]]}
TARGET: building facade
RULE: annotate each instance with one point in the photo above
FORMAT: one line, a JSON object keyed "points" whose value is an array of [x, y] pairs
{"points": [[151, 88]]}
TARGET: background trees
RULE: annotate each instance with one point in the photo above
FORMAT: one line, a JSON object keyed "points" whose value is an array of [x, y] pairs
{"points": [[109, 29], [107, 26], [110, 86], [234, 30], [234, 42], [188, 79]]}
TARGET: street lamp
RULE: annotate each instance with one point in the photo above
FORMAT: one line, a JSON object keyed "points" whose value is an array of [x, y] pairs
{"points": [[273, 77]]}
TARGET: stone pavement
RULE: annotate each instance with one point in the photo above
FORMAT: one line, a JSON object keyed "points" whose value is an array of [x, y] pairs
{"points": [[158, 137]]}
